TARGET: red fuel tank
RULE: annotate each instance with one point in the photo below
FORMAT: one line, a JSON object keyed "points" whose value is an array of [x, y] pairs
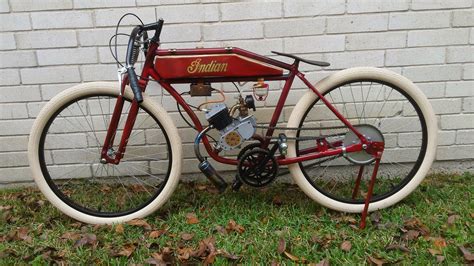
{"points": [[176, 66]]}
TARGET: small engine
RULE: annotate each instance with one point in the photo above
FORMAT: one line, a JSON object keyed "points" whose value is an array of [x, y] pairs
{"points": [[233, 131]]}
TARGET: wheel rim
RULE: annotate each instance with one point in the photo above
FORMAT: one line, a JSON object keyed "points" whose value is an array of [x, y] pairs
{"points": [[393, 112], [69, 154]]}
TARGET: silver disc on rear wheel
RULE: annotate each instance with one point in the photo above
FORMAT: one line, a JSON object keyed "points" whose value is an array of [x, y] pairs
{"points": [[371, 133]]}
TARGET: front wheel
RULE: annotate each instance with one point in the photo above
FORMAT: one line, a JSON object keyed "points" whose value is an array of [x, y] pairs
{"points": [[65, 156], [383, 106]]}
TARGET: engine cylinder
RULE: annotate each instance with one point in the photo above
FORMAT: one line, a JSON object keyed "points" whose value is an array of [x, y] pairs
{"points": [[219, 116]]}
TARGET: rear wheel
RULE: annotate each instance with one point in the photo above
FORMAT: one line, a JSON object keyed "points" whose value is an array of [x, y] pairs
{"points": [[65, 147], [383, 106]]}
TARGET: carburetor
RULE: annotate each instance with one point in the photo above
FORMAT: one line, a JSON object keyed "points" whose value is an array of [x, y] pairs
{"points": [[233, 131]]}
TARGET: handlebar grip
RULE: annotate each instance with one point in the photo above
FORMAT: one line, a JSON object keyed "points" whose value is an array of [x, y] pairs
{"points": [[133, 80], [158, 29], [157, 26]]}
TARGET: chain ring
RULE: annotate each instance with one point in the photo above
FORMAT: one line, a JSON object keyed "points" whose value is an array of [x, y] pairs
{"points": [[248, 163], [247, 148]]}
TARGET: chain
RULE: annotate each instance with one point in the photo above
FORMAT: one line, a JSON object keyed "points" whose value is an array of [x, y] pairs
{"points": [[312, 164], [307, 128], [299, 128]]}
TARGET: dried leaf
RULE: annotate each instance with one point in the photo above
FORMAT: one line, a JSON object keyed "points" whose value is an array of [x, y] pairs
{"points": [[293, 257], [157, 233], [397, 247], [6, 207], [468, 256], [277, 200], [376, 261], [126, 251], [184, 253], [153, 261], [324, 262], [234, 226], [346, 246], [187, 236], [349, 219], [87, 239], [355, 227], [22, 234], [201, 187], [119, 229], [156, 259], [213, 190], [138, 188], [434, 252], [323, 242], [210, 243], [281, 246], [47, 253], [452, 219], [70, 236], [141, 223], [230, 256], [385, 226], [76, 225], [439, 243], [7, 252], [375, 217], [416, 224], [201, 251], [221, 230], [210, 258], [440, 259], [191, 218], [167, 255], [411, 235]]}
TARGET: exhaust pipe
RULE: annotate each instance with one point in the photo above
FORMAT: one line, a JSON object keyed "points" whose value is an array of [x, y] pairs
{"points": [[206, 167]]}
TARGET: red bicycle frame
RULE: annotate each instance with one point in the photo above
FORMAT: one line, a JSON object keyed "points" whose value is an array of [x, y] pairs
{"points": [[150, 71], [167, 67]]}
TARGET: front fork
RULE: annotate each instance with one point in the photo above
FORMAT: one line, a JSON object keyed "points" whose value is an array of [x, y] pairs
{"points": [[108, 154]]}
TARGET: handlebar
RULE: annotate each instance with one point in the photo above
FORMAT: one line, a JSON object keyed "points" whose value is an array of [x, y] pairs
{"points": [[132, 53]]}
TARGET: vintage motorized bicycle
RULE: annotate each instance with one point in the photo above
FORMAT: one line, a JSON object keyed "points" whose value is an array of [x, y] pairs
{"points": [[359, 140]]}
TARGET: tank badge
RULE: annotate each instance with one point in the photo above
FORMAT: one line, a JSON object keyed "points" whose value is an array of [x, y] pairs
{"points": [[197, 67]]}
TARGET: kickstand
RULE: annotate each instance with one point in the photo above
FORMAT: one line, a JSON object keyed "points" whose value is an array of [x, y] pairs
{"points": [[370, 190]]}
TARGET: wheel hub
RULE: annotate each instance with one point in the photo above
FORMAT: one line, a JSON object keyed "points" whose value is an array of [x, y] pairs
{"points": [[372, 134]]}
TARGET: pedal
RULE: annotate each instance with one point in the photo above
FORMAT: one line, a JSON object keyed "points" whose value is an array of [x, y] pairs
{"points": [[282, 144]]}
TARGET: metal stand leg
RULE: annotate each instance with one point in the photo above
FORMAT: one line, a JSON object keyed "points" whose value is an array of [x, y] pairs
{"points": [[369, 192], [359, 177]]}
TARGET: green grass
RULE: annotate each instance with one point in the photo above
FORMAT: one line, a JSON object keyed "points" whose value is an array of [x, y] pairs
{"points": [[31, 229]]}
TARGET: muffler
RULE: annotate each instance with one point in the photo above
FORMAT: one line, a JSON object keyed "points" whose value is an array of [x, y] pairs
{"points": [[205, 166]]}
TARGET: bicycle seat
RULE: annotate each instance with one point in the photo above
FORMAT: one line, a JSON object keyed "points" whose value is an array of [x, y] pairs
{"points": [[311, 62]]}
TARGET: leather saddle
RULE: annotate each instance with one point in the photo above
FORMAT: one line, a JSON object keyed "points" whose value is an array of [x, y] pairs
{"points": [[311, 62]]}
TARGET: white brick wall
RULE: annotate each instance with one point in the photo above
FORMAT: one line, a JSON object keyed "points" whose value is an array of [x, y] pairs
{"points": [[47, 46]]}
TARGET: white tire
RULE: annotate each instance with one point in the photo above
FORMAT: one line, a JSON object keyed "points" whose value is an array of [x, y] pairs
{"points": [[342, 77], [91, 89]]}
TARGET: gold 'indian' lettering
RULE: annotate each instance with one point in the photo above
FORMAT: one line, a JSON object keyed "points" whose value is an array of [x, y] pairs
{"points": [[197, 67]]}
